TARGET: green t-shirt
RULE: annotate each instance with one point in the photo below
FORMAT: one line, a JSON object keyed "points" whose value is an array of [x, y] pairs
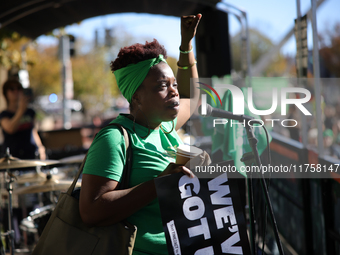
{"points": [[150, 156]]}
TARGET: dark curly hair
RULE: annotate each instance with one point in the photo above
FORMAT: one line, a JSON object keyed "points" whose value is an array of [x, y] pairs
{"points": [[11, 82], [137, 53]]}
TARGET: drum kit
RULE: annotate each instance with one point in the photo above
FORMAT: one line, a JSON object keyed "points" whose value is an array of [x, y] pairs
{"points": [[38, 182]]}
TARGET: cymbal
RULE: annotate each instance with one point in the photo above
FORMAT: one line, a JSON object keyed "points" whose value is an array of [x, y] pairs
{"points": [[10, 162], [37, 177], [46, 186], [73, 159]]}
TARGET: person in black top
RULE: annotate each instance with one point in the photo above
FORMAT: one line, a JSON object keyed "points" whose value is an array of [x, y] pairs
{"points": [[17, 123]]}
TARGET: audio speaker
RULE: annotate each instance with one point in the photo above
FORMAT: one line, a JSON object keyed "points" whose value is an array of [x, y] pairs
{"points": [[212, 44]]}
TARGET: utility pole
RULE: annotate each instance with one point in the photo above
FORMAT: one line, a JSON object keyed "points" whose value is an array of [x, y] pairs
{"points": [[66, 77]]}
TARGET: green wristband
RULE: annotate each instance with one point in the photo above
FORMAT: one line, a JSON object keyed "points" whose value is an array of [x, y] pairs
{"points": [[186, 67], [185, 52]]}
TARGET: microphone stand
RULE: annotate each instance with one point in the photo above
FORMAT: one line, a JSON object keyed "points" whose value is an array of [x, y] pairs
{"points": [[253, 144], [248, 159]]}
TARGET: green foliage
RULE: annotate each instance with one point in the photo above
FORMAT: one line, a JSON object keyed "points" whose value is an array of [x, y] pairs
{"points": [[44, 70], [9, 50], [259, 44], [92, 77], [8, 34]]}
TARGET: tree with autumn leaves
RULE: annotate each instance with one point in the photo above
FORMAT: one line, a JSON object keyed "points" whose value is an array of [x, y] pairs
{"points": [[260, 44], [330, 50]]}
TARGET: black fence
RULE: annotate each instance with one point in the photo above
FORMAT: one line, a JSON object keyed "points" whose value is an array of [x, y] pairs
{"points": [[306, 209]]}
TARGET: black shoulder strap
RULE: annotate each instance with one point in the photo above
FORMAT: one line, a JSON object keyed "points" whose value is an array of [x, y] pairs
{"points": [[125, 179]]}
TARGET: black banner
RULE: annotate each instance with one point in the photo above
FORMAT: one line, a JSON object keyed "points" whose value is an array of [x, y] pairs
{"points": [[202, 216]]}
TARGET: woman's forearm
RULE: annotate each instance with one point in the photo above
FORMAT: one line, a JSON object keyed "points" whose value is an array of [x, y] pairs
{"points": [[184, 75], [116, 205], [10, 125], [101, 204], [187, 75]]}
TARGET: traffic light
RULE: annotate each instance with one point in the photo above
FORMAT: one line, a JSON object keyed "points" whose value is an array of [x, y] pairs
{"points": [[72, 45]]}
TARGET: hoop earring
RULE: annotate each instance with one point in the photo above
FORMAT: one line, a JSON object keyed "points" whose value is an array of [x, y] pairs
{"points": [[134, 121], [173, 125]]}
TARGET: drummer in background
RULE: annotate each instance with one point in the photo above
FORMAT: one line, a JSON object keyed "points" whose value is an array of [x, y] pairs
{"points": [[17, 123]]}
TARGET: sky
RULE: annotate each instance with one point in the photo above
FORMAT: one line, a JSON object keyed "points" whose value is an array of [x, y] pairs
{"points": [[273, 18]]}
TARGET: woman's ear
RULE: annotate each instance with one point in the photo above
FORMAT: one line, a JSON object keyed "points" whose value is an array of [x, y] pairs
{"points": [[135, 99], [138, 96]]}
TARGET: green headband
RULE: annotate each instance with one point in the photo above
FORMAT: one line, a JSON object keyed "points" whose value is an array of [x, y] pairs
{"points": [[129, 78]]}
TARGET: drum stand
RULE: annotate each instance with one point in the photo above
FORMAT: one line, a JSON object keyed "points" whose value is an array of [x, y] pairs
{"points": [[8, 162], [10, 232], [2, 249]]}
